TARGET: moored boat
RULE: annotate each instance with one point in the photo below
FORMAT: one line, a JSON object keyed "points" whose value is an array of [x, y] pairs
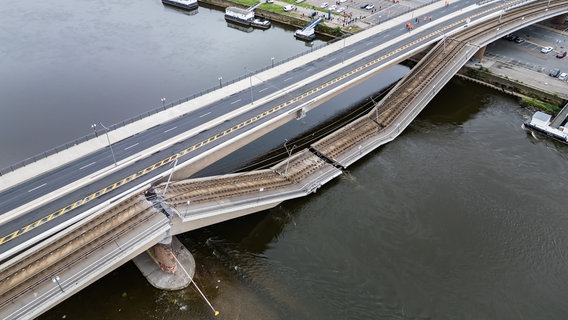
{"points": [[540, 123], [245, 17]]}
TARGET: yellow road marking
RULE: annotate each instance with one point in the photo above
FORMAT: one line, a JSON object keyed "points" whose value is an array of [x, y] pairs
{"points": [[202, 143]]}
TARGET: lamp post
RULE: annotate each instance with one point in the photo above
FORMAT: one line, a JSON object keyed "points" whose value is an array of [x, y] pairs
{"points": [[163, 103], [94, 127], [289, 152], [56, 280], [250, 80], [272, 59], [169, 178], [109, 144], [220, 84], [187, 209]]}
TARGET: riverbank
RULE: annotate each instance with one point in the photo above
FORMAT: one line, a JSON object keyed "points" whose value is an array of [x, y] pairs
{"points": [[514, 80], [517, 81], [276, 13]]}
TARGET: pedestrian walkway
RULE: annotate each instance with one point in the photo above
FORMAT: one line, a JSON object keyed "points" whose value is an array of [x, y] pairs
{"points": [[75, 152]]}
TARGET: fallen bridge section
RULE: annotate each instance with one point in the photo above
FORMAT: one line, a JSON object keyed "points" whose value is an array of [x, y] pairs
{"points": [[411, 95], [205, 201], [73, 260]]}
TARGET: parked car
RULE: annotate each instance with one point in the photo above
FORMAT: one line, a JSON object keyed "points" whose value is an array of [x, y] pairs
{"points": [[370, 7], [363, 5], [554, 72], [333, 7], [340, 10], [546, 49], [324, 5], [561, 55], [563, 76], [519, 40]]}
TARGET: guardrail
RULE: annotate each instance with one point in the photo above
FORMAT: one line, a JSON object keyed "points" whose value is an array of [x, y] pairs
{"points": [[151, 112]]}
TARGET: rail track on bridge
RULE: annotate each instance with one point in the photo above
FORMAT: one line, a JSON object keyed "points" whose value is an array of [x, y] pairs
{"points": [[383, 117], [414, 86], [24, 276]]}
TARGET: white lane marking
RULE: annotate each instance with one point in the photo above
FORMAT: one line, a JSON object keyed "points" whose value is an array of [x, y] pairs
{"points": [[287, 79], [134, 145], [351, 51], [203, 115], [37, 187], [235, 101], [170, 129], [332, 60], [263, 89], [87, 165]]}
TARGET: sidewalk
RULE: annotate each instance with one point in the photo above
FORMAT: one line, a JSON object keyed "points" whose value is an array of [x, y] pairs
{"points": [[20, 175]]}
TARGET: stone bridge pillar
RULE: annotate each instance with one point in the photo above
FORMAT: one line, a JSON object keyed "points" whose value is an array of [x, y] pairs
{"points": [[168, 265], [478, 56], [560, 19]]}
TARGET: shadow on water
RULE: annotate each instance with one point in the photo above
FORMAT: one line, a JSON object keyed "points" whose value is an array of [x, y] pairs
{"points": [[340, 110]]}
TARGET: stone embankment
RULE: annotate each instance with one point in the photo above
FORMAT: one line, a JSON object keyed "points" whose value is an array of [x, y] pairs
{"points": [[288, 18]]}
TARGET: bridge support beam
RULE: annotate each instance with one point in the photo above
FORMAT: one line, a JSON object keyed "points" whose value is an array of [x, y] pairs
{"points": [[167, 266], [478, 56]]}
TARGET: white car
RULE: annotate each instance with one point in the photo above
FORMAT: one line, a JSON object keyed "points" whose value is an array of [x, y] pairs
{"points": [[341, 1], [333, 7], [370, 7], [546, 49], [324, 5], [289, 7], [563, 76], [340, 10]]}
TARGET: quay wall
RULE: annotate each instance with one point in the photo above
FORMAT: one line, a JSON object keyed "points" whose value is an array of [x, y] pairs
{"points": [[290, 19], [511, 85]]}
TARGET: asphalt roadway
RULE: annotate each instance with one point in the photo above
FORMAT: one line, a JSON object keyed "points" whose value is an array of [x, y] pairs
{"points": [[33, 225]]}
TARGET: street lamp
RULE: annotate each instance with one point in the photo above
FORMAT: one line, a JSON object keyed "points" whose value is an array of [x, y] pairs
{"points": [[272, 59], [163, 103], [250, 79], [56, 280], [170, 178], [289, 152], [94, 127], [220, 84], [187, 209], [109, 144]]}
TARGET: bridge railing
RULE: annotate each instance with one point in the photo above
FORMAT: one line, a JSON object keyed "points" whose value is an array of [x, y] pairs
{"points": [[151, 112], [73, 143]]}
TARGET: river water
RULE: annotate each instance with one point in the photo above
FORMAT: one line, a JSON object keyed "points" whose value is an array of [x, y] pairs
{"points": [[461, 217]]}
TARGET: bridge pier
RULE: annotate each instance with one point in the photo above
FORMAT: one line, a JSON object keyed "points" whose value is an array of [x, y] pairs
{"points": [[478, 56], [167, 265]]}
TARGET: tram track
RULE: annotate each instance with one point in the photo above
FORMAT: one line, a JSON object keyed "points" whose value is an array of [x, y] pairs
{"points": [[417, 83], [21, 277]]}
